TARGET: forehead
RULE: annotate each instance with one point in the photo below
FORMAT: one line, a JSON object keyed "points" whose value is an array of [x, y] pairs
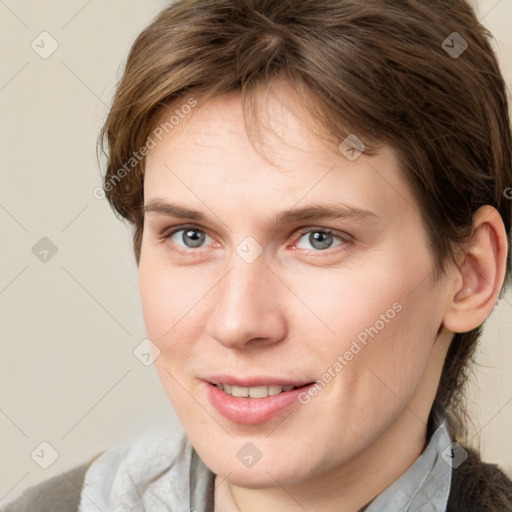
{"points": [[265, 161]]}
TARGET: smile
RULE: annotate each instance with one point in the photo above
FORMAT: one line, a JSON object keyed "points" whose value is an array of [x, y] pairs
{"points": [[254, 392], [253, 404]]}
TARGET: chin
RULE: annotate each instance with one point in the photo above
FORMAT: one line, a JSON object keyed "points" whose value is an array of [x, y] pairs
{"points": [[262, 477], [271, 470]]}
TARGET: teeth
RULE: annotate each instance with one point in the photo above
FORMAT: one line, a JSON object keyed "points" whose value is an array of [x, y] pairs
{"points": [[253, 392], [258, 392], [274, 390], [240, 391]]}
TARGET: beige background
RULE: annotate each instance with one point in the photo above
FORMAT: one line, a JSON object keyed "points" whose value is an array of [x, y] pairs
{"points": [[68, 375]]}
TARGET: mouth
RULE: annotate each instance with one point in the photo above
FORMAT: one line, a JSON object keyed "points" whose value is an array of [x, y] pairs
{"points": [[253, 401], [256, 391]]}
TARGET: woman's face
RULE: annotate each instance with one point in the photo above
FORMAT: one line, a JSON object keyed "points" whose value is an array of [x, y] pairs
{"points": [[310, 265]]}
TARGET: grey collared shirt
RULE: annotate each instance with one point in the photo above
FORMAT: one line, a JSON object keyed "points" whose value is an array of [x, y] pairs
{"points": [[425, 486]]}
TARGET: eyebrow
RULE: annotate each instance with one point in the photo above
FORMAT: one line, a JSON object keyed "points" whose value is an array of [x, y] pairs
{"points": [[308, 213]]}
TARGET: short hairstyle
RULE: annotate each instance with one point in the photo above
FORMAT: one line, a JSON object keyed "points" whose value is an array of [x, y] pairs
{"points": [[418, 76]]}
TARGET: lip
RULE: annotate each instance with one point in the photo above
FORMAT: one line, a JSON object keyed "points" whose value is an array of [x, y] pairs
{"points": [[253, 411]]}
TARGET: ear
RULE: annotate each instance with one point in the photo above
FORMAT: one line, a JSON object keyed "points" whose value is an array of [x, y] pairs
{"points": [[480, 277]]}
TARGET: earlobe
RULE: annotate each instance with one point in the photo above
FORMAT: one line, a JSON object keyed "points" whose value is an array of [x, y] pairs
{"points": [[481, 274]]}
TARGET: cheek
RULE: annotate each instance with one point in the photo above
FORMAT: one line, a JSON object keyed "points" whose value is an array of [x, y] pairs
{"points": [[377, 302], [379, 327], [170, 298], [155, 297], [397, 332], [170, 306], [384, 333]]}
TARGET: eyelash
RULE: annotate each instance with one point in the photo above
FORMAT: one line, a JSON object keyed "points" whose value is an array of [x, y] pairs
{"points": [[344, 238]]}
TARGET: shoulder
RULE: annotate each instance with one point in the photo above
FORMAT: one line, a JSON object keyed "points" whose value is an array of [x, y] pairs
{"points": [[158, 466], [114, 474], [60, 493], [479, 487], [139, 459]]}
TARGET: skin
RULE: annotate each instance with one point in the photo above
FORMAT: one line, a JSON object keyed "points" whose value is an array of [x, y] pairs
{"points": [[292, 311]]}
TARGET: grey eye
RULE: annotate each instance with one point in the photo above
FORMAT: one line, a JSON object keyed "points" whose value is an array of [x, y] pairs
{"points": [[319, 240], [190, 237]]}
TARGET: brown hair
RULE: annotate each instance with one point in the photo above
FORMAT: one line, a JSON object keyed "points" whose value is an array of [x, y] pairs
{"points": [[380, 69]]}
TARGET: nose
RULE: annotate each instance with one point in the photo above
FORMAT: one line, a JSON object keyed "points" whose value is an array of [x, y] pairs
{"points": [[248, 306]]}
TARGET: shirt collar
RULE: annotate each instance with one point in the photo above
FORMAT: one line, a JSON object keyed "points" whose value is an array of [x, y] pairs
{"points": [[425, 486]]}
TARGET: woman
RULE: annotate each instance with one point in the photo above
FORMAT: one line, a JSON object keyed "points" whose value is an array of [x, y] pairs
{"points": [[318, 195]]}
